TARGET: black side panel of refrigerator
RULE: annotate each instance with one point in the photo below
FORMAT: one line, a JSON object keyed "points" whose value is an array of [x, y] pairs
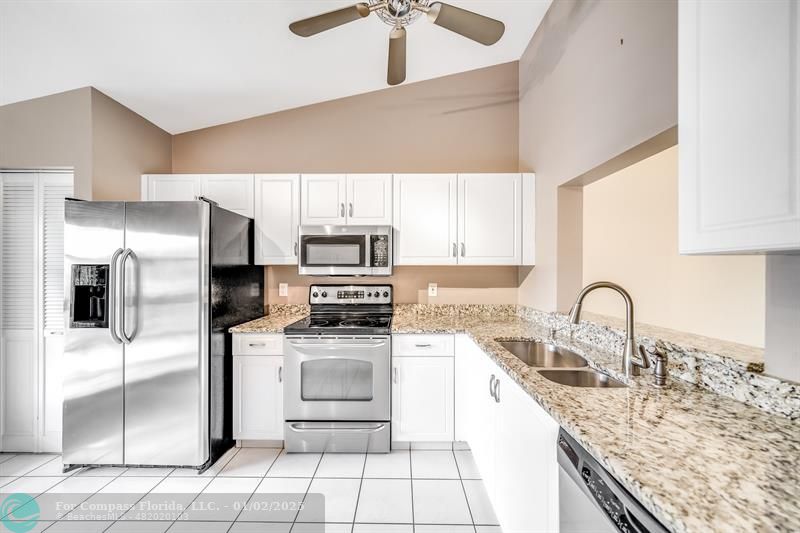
{"points": [[237, 295]]}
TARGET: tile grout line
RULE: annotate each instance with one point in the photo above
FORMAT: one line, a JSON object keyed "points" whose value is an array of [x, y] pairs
{"points": [[207, 484], [411, 475], [113, 478], [360, 485], [307, 490], [262, 478], [464, 490], [136, 502]]}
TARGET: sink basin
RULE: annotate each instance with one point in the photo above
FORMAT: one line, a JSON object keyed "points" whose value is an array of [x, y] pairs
{"points": [[581, 378], [541, 354]]}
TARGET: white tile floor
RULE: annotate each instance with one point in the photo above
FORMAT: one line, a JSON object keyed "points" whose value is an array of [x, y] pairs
{"points": [[417, 490]]}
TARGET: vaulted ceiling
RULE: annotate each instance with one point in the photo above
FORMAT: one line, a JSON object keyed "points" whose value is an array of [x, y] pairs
{"points": [[186, 65]]}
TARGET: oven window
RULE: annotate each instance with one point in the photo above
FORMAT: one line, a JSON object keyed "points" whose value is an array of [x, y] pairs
{"points": [[333, 254], [336, 380]]}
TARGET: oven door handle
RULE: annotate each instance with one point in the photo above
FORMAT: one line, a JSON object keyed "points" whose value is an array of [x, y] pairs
{"points": [[299, 345], [358, 429]]}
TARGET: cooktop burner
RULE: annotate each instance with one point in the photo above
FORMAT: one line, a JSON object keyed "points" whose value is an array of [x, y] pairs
{"points": [[346, 310]]}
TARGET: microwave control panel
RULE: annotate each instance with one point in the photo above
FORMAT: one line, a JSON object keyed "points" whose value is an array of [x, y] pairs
{"points": [[380, 250]]}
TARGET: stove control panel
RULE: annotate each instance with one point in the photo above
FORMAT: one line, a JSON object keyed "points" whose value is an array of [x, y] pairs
{"points": [[350, 294]]}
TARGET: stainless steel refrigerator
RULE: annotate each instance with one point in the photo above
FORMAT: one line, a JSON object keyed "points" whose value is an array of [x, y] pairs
{"points": [[151, 289]]}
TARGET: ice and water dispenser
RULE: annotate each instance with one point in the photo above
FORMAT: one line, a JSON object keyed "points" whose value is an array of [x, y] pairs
{"points": [[89, 296]]}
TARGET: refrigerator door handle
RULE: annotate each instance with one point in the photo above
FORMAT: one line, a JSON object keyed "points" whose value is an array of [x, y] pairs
{"points": [[122, 333], [112, 297]]}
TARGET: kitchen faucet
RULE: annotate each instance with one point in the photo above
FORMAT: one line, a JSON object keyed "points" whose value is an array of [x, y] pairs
{"points": [[629, 366]]}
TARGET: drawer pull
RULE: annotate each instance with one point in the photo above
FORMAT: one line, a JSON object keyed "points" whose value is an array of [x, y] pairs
{"points": [[423, 345], [257, 344]]}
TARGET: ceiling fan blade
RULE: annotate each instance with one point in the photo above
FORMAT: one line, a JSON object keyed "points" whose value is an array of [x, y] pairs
{"points": [[471, 25], [397, 57], [326, 21]]}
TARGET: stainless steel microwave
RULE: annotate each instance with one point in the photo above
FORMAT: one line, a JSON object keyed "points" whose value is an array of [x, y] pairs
{"points": [[345, 251]]}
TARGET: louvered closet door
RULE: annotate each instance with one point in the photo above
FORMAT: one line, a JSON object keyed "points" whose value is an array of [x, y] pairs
{"points": [[52, 190], [31, 309], [18, 294]]}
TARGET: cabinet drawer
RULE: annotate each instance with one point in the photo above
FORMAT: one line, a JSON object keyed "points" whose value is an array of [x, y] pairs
{"points": [[257, 344], [423, 345]]}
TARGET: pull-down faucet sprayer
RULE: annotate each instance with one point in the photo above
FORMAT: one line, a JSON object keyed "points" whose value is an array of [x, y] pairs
{"points": [[629, 366]]}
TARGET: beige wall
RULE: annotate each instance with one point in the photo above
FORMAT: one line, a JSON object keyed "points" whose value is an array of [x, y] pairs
{"points": [[52, 131], [466, 122], [108, 145], [586, 98], [630, 236], [466, 284], [463, 122], [125, 146]]}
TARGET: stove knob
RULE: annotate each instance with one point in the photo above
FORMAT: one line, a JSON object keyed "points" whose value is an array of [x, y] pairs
{"points": [[369, 295], [315, 295], [385, 294], [324, 294]]}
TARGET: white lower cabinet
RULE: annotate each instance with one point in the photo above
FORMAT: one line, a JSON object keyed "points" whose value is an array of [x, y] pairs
{"points": [[513, 441], [258, 397], [422, 398]]}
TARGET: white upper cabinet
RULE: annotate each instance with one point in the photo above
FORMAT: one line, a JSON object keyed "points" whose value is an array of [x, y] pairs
{"points": [[277, 199], [231, 191], [489, 219], [323, 199], [739, 186], [356, 199], [171, 187], [369, 199], [425, 219], [234, 192]]}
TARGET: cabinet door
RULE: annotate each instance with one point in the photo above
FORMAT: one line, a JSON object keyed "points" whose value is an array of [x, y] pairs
{"points": [[490, 219], [739, 182], [324, 199], [258, 397], [233, 192], [425, 220], [172, 187], [475, 406], [277, 218], [369, 199], [526, 468], [422, 399]]}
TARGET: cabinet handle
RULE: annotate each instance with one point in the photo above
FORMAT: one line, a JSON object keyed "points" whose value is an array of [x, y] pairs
{"points": [[394, 377], [280, 374], [463, 250], [351, 209], [341, 210], [496, 391], [295, 248], [455, 252], [491, 385]]}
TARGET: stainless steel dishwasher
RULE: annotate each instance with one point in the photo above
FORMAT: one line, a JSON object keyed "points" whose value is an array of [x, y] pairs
{"points": [[591, 500]]}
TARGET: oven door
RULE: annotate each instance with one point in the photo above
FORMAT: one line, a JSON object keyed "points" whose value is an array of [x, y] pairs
{"points": [[331, 251], [337, 378]]}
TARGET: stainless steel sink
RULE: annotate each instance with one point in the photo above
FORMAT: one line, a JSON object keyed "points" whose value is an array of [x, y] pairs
{"points": [[542, 354], [581, 378]]}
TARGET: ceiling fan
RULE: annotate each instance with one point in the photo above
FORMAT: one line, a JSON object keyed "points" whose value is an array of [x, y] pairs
{"points": [[399, 14]]}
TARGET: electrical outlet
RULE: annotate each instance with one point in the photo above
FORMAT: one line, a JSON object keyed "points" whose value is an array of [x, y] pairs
{"points": [[433, 289], [283, 289]]}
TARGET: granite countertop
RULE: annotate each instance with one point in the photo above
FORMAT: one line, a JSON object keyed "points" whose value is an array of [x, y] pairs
{"points": [[697, 460]]}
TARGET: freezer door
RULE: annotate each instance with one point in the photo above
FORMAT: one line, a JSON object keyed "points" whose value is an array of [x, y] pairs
{"points": [[166, 330], [93, 357]]}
